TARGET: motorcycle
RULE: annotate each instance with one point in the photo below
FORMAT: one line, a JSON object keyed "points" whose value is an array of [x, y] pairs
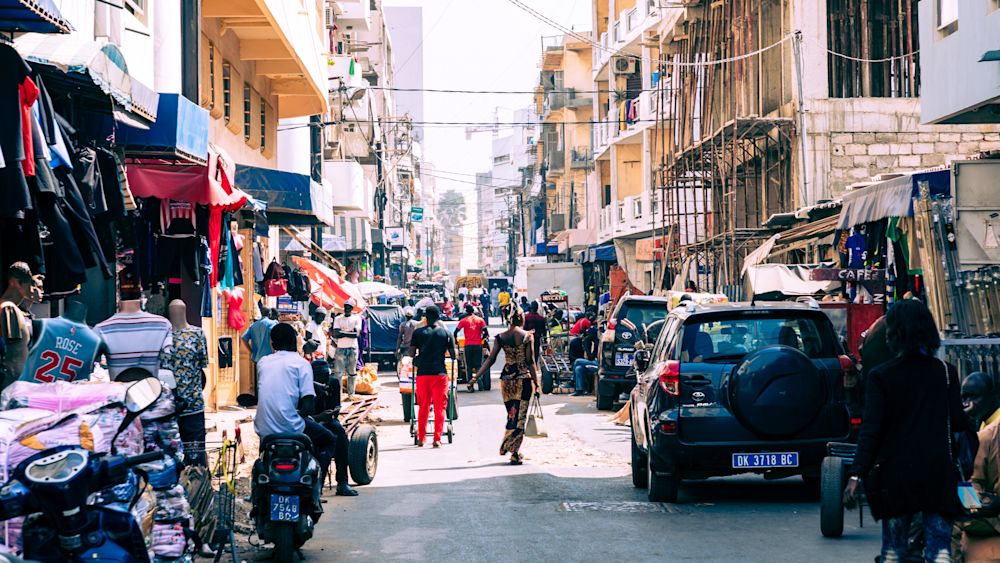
{"points": [[286, 495], [54, 487]]}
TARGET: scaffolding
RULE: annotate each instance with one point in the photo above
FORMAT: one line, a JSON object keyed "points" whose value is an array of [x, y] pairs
{"points": [[726, 147]]}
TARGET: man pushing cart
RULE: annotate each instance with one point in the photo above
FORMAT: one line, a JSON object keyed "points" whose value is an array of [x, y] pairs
{"points": [[433, 382]]}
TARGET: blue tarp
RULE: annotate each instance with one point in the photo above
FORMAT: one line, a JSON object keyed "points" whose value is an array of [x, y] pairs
{"points": [[181, 126], [283, 191], [600, 253], [41, 16], [384, 322]]}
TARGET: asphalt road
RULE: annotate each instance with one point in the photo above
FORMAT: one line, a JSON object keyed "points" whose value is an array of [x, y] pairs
{"points": [[572, 500]]}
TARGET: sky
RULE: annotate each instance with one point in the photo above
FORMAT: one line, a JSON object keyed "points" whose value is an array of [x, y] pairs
{"points": [[480, 45]]}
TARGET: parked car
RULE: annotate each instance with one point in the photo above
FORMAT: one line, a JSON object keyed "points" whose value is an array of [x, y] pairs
{"points": [[635, 318], [738, 388]]}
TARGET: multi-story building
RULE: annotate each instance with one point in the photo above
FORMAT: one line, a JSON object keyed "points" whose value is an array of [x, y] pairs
{"points": [[500, 194], [564, 102], [716, 116]]}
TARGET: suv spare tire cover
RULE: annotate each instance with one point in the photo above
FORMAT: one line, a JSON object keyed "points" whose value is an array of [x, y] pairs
{"points": [[776, 392]]}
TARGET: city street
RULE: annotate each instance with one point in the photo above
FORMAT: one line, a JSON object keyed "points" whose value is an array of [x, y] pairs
{"points": [[572, 500]]}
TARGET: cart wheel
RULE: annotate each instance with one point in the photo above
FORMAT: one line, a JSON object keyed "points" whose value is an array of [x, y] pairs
{"points": [[451, 433], [547, 382], [363, 454], [831, 514], [407, 406], [452, 405]]}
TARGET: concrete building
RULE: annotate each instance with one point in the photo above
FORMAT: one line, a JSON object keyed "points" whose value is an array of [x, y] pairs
{"points": [[790, 120], [500, 193], [958, 48], [406, 26], [565, 150]]}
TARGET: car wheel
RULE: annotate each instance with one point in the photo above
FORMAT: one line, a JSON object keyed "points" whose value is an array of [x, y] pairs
{"points": [[640, 473], [831, 511], [605, 396], [662, 488], [363, 454]]}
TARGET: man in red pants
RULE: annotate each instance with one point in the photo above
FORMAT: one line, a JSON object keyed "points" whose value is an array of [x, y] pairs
{"points": [[427, 348]]}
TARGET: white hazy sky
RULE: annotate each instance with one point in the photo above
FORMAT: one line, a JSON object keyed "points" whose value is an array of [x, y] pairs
{"points": [[480, 45]]}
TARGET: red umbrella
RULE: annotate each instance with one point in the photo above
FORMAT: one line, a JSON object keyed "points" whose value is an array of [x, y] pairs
{"points": [[328, 289]]}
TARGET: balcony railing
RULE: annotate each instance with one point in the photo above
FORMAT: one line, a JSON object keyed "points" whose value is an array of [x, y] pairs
{"points": [[581, 158]]}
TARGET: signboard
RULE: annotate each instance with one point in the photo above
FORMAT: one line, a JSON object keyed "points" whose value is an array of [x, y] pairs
{"points": [[397, 237], [553, 298], [420, 262], [287, 307], [847, 275], [416, 214], [648, 249]]}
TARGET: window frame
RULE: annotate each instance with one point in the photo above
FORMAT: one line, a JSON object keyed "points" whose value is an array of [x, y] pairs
{"points": [[227, 91], [938, 14], [247, 112]]}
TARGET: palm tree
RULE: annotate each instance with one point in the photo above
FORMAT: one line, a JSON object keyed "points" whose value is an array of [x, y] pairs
{"points": [[451, 210]]}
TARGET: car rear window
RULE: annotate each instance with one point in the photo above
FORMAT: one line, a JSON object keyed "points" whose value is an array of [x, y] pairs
{"points": [[734, 337], [639, 313]]}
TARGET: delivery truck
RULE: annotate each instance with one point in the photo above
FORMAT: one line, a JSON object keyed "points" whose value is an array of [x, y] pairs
{"points": [[555, 277]]}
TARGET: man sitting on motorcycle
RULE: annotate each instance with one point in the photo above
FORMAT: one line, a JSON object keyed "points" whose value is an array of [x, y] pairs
{"points": [[286, 397]]}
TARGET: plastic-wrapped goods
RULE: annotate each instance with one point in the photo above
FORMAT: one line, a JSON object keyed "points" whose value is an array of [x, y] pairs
{"points": [[168, 540], [162, 435], [61, 396], [172, 504], [143, 511], [163, 407], [162, 474]]}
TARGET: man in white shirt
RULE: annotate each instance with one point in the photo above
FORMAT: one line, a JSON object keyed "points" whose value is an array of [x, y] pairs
{"points": [[346, 329], [286, 397], [317, 330]]}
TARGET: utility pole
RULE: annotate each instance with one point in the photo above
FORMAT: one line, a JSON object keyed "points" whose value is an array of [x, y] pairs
{"points": [[316, 172], [545, 210]]}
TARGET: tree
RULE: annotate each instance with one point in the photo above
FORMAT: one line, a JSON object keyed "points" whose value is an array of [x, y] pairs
{"points": [[451, 210]]}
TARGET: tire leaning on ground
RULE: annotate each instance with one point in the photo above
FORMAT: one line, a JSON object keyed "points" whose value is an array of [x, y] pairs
{"points": [[547, 383], [662, 488], [362, 451], [640, 473], [831, 511], [284, 542]]}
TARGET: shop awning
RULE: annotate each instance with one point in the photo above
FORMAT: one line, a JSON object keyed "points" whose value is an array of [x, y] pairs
{"points": [[41, 16], [892, 198], [181, 130], [204, 185], [101, 64], [292, 199], [790, 281], [355, 231]]}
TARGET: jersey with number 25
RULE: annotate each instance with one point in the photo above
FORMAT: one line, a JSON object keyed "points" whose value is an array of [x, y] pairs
{"points": [[65, 350]]}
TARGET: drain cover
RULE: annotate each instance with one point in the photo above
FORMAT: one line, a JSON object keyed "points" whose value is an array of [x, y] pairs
{"points": [[613, 507]]}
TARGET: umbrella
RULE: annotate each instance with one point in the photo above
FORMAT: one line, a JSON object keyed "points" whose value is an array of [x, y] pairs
{"points": [[379, 289], [328, 289]]}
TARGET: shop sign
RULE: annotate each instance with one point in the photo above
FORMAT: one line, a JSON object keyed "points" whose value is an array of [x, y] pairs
{"points": [[397, 237], [847, 275], [416, 214], [649, 249], [286, 306], [420, 262]]}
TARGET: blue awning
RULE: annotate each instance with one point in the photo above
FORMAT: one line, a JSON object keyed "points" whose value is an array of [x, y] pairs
{"points": [[41, 16], [292, 199], [541, 249], [599, 253], [891, 198], [181, 129]]}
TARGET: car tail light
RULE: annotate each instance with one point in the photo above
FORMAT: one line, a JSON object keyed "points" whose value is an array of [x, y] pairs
{"points": [[855, 422], [849, 371], [612, 323], [670, 377], [284, 466], [668, 427]]}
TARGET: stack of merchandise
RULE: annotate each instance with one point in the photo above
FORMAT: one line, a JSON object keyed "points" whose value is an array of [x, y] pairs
{"points": [[934, 219]]}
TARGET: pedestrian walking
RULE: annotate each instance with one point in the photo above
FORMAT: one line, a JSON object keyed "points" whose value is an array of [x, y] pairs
{"points": [[317, 330], [536, 325], [504, 299], [405, 334], [347, 329], [428, 348], [189, 360], [905, 453], [518, 381], [473, 327], [484, 301]]}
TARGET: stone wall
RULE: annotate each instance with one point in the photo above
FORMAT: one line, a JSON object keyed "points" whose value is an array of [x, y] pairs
{"points": [[851, 140]]}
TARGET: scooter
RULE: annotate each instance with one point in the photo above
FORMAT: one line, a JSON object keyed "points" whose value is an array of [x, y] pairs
{"points": [[54, 487], [286, 495]]}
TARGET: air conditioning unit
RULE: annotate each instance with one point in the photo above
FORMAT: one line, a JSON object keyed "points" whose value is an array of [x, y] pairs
{"points": [[330, 16], [624, 65]]}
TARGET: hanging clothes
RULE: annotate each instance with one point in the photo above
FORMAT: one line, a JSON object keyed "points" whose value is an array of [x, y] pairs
{"points": [[13, 185]]}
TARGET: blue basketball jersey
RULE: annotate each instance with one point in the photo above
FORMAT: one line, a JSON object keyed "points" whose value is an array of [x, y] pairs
{"points": [[65, 350]]}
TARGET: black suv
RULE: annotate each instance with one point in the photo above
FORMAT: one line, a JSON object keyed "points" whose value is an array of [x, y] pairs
{"points": [[634, 319], [738, 388]]}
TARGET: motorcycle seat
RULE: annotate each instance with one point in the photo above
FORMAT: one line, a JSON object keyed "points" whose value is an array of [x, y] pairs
{"points": [[286, 437]]}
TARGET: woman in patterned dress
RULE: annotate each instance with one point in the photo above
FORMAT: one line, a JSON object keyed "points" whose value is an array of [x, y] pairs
{"points": [[518, 380]]}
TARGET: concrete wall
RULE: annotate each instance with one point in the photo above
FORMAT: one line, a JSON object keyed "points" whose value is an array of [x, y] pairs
{"points": [[851, 140], [630, 171], [955, 82]]}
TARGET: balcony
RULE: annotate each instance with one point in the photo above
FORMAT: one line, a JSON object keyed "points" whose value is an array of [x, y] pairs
{"points": [[633, 217], [556, 160], [339, 67], [581, 158], [356, 14], [351, 190]]}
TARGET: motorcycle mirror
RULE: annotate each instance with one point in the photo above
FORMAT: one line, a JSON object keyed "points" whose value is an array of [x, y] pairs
{"points": [[142, 394]]}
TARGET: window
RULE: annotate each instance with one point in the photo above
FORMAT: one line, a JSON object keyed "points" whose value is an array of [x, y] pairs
{"points": [[263, 126], [136, 6], [211, 75], [227, 91], [947, 13], [731, 338], [247, 121]]}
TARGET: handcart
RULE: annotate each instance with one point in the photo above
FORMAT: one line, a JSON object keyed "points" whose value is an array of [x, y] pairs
{"points": [[554, 363], [833, 478], [451, 411]]}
